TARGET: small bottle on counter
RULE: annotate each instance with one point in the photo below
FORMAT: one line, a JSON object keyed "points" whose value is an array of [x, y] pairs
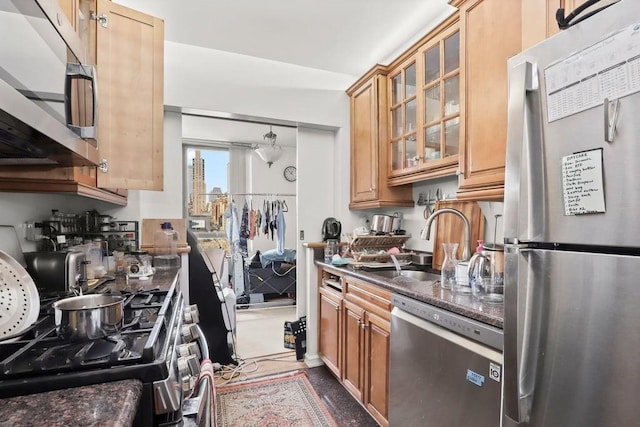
{"points": [[165, 244], [330, 250]]}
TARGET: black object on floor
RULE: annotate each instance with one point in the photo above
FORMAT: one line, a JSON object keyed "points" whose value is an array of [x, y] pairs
{"points": [[345, 410], [202, 292]]}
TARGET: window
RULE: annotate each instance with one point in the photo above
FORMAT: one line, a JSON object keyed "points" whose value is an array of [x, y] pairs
{"points": [[206, 177]]}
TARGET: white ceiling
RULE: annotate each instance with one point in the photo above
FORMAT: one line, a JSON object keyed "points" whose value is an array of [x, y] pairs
{"points": [[342, 36]]}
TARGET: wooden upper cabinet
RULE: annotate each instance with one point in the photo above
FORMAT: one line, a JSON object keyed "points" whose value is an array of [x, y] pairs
{"points": [[491, 34], [129, 48], [424, 108], [369, 157], [540, 18], [403, 117], [440, 112]]}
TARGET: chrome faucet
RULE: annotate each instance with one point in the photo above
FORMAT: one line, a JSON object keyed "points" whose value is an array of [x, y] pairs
{"points": [[426, 232]]}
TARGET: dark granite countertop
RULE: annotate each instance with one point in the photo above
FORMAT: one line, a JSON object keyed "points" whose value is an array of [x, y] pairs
{"points": [[161, 279], [464, 305], [106, 404], [103, 404]]}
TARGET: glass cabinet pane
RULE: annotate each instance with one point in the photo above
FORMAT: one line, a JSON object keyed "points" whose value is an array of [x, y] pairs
{"points": [[432, 64], [452, 95], [396, 122], [410, 116], [452, 53], [432, 142], [410, 81], [410, 151], [452, 136], [396, 155], [432, 110], [396, 89]]}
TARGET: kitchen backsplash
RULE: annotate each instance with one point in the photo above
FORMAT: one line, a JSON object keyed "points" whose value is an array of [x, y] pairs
{"points": [[413, 220], [17, 208]]}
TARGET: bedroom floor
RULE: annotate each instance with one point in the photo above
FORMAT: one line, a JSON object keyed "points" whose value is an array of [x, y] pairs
{"points": [[260, 332]]}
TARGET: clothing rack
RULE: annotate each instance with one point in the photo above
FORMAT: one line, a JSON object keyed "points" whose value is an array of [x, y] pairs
{"points": [[264, 194]]}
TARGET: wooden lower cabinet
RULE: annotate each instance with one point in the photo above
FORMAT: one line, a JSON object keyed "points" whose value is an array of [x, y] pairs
{"points": [[354, 346], [377, 339], [330, 329], [354, 340]]}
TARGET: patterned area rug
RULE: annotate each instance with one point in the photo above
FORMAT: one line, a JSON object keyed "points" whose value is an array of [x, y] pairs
{"points": [[281, 401]]}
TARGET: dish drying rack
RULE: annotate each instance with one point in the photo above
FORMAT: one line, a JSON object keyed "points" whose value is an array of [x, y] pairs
{"points": [[370, 249]]}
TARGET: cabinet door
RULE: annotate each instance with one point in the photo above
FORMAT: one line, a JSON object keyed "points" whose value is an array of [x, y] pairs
{"points": [[377, 339], [364, 142], [540, 18], [130, 70], [440, 131], [353, 339], [425, 109], [488, 40], [403, 106], [329, 334]]}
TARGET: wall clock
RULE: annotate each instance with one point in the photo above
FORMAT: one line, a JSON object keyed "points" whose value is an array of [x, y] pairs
{"points": [[290, 173]]}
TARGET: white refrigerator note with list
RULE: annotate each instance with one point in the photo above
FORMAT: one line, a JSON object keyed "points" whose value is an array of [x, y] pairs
{"points": [[582, 185]]}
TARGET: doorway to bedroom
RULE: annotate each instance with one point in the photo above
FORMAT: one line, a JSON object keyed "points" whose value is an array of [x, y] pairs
{"points": [[259, 268]]}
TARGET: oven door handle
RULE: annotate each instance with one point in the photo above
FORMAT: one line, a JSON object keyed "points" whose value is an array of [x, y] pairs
{"points": [[202, 343]]}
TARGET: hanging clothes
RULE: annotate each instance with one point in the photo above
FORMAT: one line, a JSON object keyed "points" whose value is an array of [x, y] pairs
{"points": [[244, 229], [266, 219], [272, 223], [232, 225], [252, 224], [258, 223], [280, 230]]}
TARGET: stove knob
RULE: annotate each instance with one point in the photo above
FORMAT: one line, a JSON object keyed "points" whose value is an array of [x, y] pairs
{"points": [[188, 366], [188, 349], [186, 384], [190, 333], [191, 314]]}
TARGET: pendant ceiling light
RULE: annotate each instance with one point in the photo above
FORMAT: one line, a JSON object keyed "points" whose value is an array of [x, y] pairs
{"points": [[270, 152]]}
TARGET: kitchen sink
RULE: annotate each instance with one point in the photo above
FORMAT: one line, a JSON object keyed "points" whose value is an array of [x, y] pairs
{"points": [[421, 276]]}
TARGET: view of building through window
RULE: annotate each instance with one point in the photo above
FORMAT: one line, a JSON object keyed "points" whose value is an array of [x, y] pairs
{"points": [[206, 196]]}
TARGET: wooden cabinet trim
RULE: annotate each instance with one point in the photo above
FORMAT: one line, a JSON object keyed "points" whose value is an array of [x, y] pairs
{"points": [[377, 345]]}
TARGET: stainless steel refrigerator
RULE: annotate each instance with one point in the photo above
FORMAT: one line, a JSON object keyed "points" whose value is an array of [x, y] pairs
{"points": [[572, 227]]}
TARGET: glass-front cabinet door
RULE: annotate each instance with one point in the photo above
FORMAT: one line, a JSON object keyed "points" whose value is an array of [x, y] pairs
{"points": [[404, 117], [441, 100], [424, 104]]}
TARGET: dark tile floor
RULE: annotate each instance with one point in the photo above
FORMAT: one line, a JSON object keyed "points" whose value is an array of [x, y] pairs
{"points": [[345, 410]]}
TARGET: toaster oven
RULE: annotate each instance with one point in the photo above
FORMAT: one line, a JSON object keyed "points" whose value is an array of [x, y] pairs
{"points": [[56, 271]]}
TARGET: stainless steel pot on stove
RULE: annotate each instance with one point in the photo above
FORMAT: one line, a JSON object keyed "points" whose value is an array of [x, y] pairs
{"points": [[89, 317]]}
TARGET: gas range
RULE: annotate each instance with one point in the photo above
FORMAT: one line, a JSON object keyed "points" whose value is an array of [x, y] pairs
{"points": [[153, 338]]}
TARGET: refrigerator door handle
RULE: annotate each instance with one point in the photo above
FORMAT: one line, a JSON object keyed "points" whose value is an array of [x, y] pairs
{"points": [[524, 197], [524, 287]]}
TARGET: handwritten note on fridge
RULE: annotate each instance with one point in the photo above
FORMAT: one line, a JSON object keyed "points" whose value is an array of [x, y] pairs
{"points": [[582, 184]]}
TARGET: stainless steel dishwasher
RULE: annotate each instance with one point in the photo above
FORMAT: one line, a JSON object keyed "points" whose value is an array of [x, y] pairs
{"points": [[445, 370]]}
